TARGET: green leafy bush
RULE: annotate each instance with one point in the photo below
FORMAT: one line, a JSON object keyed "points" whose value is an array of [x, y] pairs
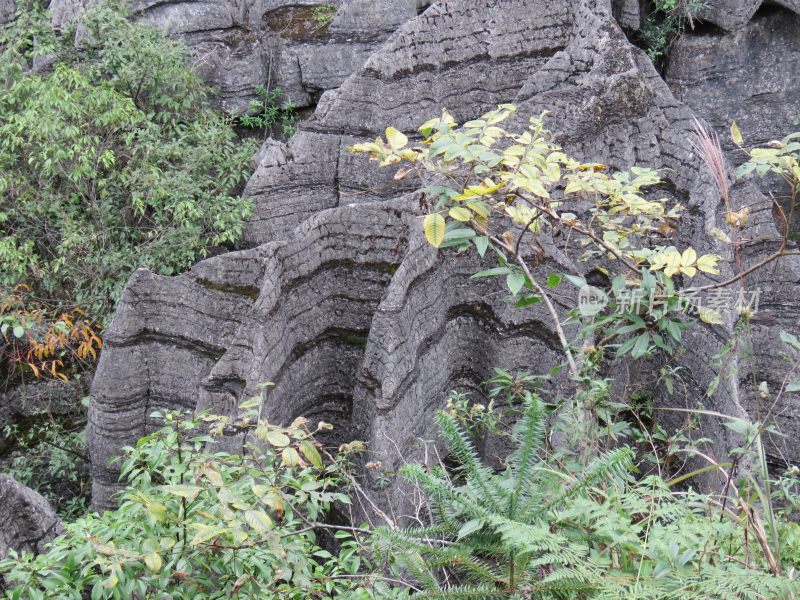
{"points": [[198, 523], [50, 457], [667, 20], [271, 112], [111, 158]]}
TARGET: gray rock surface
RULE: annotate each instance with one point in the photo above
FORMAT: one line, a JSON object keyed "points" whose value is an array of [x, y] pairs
{"points": [[751, 77], [27, 522], [735, 14], [8, 10], [238, 45], [341, 303]]}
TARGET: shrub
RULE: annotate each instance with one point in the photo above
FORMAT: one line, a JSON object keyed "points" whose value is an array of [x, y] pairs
{"points": [[111, 158], [269, 112], [195, 522], [49, 455]]}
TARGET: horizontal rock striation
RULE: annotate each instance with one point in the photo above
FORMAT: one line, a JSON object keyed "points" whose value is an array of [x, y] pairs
{"points": [[341, 303], [239, 45]]}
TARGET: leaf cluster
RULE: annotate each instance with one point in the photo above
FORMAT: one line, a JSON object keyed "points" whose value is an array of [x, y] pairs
{"points": [[195, 522], [111, 159]]}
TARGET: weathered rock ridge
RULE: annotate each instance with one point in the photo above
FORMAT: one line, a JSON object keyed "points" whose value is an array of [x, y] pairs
{"points": [[337, 299], [240, 44], [27, 522]]}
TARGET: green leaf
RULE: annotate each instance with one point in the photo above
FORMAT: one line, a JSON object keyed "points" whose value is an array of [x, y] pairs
{"points": [[469, 527], [311, 453], [19, 331], [434, 226], [526, 301], [515, 282], [575, 280], [553, 280], [793, 387], [396, 139], [641, 345], [184, 491], [481, 244], [258, 520], [278, 439], [492, 272], [790, 339]]}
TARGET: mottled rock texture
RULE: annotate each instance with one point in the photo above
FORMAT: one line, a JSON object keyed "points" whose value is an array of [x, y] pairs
{"points": [[27, 522], [339, 301], [7, 10], [238, 45]]}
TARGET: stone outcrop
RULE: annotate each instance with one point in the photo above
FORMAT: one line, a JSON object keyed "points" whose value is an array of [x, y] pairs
{"points": [[733, 15], [27, 522], [338, 300], [239, 45], [7, 11]]}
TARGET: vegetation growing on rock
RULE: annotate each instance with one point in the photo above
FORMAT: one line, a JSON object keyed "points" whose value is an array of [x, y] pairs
{"points": [[111, 159]]}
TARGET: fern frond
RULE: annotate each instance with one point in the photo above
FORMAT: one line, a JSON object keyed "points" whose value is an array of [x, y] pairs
{"points": [[614, 465], [466, 592], [476, 473], [739, 583], [442, 490], [528, 435]]}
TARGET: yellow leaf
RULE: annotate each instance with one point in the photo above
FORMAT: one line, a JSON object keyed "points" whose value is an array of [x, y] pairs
{"points": [[212, 474], [573, 186], [689, 257], [110, 582], [153, 561], [273, 499], [479, 208], [673, 263], [736, 135], [434, 229], [396, 139], [258, 520], [205, 533], [720, 235], [183, 491], [709, 315], [311, 453], [401, 173], [370, 147], [290, 457], [459, 213], [708, 264], [278, 439]]}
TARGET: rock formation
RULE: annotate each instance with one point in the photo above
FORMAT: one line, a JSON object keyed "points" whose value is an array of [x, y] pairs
{"points": [[238, 45], [27, 522], [336, 298]]}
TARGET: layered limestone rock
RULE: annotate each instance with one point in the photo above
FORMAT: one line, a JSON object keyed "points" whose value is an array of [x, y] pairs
{"points": [[341, 303], [736, 14], [238, 45], [27, 522]]}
